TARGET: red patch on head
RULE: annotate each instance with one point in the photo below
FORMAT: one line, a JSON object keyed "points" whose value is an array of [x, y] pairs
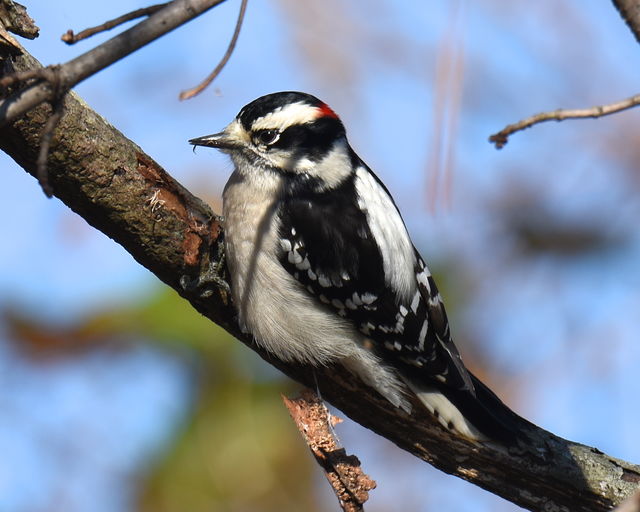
{"points": [[326, 111]]}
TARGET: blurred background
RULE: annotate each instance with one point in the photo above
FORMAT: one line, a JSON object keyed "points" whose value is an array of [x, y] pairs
{"points": [[116, 396]]}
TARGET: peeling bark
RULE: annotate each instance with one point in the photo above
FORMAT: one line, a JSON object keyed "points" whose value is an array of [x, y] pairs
{"points": [[349, 482]]}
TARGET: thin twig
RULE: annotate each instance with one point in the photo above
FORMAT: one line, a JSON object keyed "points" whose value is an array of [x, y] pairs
{"points": [[70, 38], [45, 143], [350, 484], [23, 76], [501, 138], [190, 93]]}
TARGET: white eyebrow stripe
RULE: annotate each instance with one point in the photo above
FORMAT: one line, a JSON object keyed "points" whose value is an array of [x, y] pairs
{"points": [[288, 115]]}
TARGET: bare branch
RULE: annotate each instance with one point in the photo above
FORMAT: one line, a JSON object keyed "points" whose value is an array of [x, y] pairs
{"points": [[314, 421], [501, 138], [23, 76], [190, 93], [70, 38], [176, 13]]}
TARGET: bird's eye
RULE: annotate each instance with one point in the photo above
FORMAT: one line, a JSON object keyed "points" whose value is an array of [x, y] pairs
{"points": [[267, 137]]}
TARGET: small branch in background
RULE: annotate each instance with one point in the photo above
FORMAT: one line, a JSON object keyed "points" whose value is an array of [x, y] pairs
{"points": [[23, 76], [70, 38], [45, 143], [502, 137], [630, 12], [190, 93], [315, 423]]}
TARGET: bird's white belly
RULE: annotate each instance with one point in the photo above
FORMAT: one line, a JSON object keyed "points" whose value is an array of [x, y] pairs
{"points": [[265, 293]]}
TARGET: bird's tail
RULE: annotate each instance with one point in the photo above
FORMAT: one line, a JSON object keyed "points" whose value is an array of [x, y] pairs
{"points": [[477, 414]]}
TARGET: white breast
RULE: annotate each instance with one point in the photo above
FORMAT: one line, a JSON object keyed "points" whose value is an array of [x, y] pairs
{"points": [[282, 316]]}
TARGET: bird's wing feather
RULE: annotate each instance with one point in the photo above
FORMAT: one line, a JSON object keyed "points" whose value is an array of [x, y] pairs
{"points": [[328, 246]]}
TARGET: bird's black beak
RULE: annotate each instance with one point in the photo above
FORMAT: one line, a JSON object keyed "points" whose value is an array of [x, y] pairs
{"points": [[220, 140]]}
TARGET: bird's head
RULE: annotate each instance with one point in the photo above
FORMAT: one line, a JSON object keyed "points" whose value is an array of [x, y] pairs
{"points": [[291, 133]]}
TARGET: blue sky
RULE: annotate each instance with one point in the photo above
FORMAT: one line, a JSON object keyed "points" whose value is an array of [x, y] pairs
{"points": [[562, 332]]}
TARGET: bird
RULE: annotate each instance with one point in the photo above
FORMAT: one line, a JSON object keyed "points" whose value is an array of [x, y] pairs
{"points": [[323, 270]]}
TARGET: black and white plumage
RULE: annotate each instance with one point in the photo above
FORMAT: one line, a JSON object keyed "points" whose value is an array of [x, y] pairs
{"points": [[323, 270]]}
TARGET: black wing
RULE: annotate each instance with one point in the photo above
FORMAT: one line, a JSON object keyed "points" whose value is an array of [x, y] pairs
{"points": [[328, 247]]}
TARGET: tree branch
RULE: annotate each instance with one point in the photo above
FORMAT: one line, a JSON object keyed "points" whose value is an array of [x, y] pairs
{"points": [[121, 191], [630, 12], [70, 38], [190, 93], [14, 18], [344, 473], [502, 137], [175, 13]]}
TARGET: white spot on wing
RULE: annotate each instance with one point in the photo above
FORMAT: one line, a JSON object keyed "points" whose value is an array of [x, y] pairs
{"points": [[422, 279], [323, 281], [285, 244], [415, 302], [294, 257], [434, 301], [423, 334], [368, 298], [304, 264]]}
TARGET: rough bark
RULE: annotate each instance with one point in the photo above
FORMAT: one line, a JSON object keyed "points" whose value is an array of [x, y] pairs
{"points": [[630, 12], [110, 182]]}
